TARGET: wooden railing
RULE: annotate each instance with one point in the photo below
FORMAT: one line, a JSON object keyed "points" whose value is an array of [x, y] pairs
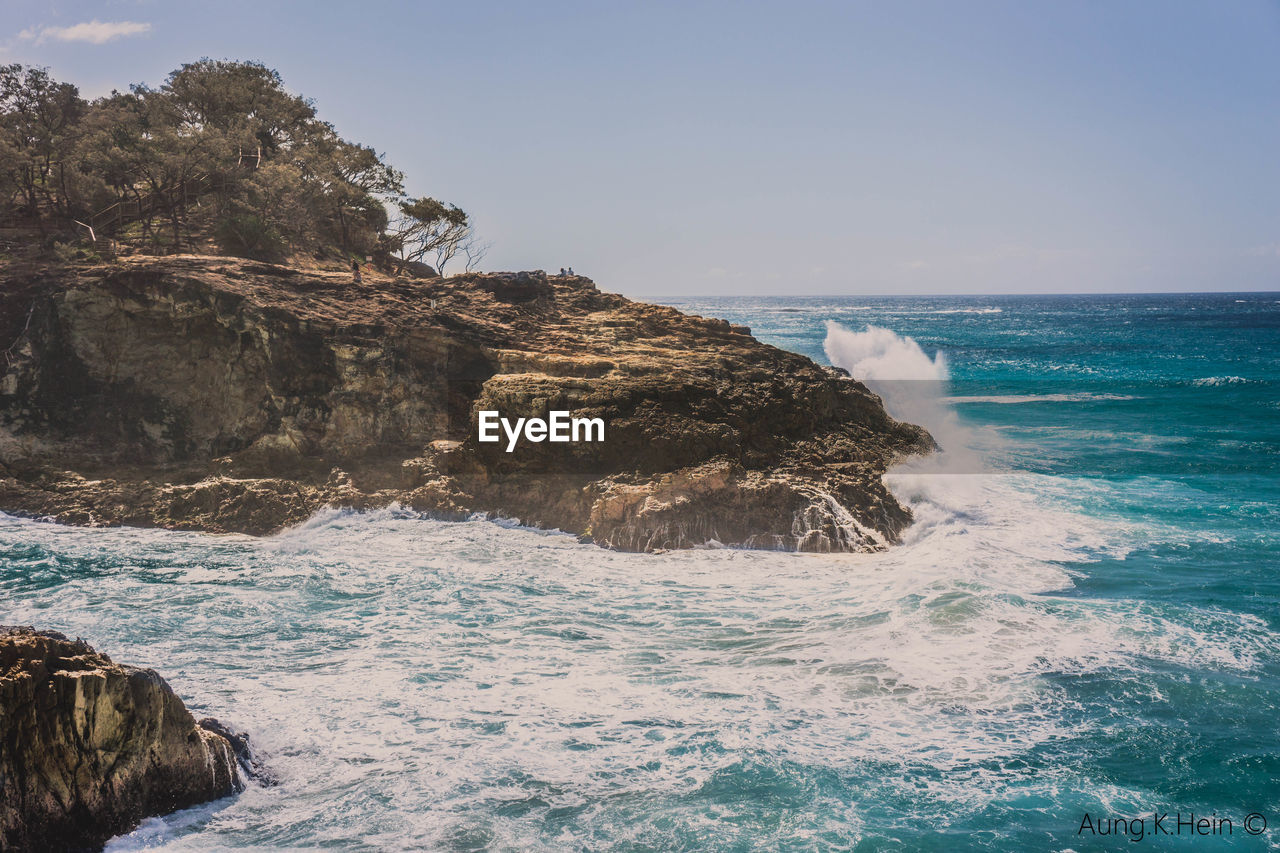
{"points": [[116, 216]]}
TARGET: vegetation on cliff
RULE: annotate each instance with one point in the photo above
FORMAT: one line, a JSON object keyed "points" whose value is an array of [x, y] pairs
{"points": [[219, 157]]}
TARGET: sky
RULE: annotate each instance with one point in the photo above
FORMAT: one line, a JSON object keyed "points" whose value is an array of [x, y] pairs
{"points": [[726, 148]]}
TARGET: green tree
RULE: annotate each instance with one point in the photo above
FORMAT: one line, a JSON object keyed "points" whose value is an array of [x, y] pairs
{"points": [[247, 101], [427, 227], [137, 143], [221, 149], [39, 125]]}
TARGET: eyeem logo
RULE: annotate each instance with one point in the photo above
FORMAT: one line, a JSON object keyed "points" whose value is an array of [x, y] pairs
{"points": [[558, 427]]}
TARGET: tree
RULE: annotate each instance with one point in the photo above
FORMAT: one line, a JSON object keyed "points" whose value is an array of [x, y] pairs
{"points": [[246, 100], [269, 214], [221, 149], [139, 143], [39, 119], [429, 227], [352, 181], [474, 251]]}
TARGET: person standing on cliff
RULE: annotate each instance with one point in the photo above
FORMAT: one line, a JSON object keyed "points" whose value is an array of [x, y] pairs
{"points": [[355, 271]]}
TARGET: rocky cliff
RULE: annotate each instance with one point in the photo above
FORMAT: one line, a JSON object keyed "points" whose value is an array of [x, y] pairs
{"points": [[88, 747], [227, 395]]}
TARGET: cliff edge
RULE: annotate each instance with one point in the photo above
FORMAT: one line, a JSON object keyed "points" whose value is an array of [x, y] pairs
{"points": [[220, 394]]}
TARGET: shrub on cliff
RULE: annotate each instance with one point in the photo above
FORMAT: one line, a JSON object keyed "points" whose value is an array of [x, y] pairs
{"points": [[248, 236]]}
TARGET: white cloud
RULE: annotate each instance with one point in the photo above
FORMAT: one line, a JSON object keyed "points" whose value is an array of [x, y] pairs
{"points": [[93, 32]]}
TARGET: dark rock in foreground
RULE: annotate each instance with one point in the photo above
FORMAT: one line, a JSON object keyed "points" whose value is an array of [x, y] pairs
{"points": [[90, 747], [217, 394]]}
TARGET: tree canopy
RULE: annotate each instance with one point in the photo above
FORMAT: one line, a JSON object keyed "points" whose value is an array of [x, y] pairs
{"points": [[220, 154]]}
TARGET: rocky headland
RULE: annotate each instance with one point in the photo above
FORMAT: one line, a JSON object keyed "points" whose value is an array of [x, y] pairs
{"points": [[91, 747], [220, 394]]}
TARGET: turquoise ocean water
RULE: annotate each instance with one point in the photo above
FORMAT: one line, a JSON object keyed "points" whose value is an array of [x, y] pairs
{"points": [[1084, 620]]}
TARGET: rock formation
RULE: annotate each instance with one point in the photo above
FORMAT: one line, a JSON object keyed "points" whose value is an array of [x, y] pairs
{"points": [[90, 747], [220, 394]]}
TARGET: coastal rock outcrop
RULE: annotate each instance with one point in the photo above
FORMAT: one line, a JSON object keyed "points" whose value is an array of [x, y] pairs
{"points": [[90, 747], [221, 394]]}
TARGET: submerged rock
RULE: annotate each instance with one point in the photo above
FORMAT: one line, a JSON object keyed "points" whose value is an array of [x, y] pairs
{"points": [[217, 394], [90, 747]]}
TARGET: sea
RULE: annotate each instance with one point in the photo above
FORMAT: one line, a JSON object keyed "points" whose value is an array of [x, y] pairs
{"points": [[1079, 634]]}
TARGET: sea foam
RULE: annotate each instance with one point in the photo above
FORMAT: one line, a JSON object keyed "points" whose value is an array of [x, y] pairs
{"points": [[418, 683]]}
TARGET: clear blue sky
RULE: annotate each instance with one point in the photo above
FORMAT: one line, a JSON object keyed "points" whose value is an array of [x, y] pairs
{"points": [[798, 147]]}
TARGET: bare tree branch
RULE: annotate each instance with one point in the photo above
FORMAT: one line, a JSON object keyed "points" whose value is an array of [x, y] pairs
{"points": [[474, 251]]}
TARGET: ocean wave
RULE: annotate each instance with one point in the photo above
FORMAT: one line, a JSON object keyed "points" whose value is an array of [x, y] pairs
{"points": [[1080, 397], [896, 311], [1214, 381], [1076, 436], [420, 683], [415, 680], [912, 385], [825, 309], [877, 354]]}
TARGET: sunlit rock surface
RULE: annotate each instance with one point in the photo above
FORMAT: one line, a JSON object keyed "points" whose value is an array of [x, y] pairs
{"points": [[220, 394], [90, 747]]}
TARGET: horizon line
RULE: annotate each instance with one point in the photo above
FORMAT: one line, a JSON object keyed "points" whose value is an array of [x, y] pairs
{"points": [[936, 294]]}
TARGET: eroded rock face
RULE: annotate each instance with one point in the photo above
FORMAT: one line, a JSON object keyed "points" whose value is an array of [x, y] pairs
{"points": [[91, 747], [226, 395]]}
